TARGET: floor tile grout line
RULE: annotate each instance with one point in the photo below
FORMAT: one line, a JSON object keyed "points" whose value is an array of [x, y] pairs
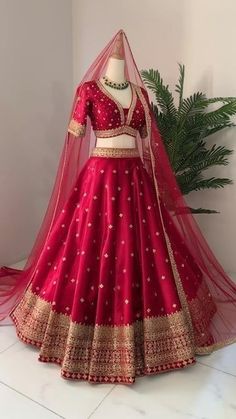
{"points": [[10, 346], [29, 398], [217, 369], [99, 404]]}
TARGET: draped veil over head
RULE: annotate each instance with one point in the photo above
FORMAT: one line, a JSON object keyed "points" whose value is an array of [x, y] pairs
{"points": [[76, 151]]}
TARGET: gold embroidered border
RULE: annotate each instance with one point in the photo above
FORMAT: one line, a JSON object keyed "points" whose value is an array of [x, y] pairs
{"points": [[178, 281], [202, 309], [77, 129], [113, 99], [133, 104], [115, 152], [198, 323], [124, 129], [103, 350], [214, 347], [143, 131]]}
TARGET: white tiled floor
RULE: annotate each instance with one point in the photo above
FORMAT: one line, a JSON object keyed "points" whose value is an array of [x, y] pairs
{"points": [[30, 389]]}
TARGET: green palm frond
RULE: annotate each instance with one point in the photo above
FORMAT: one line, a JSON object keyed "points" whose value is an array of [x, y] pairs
{"points": [[221, 114], [179, 88], [226, 99], [205, 158], [162, 93], [185, 129], [218, 127], [212, 182], [203, 211]]}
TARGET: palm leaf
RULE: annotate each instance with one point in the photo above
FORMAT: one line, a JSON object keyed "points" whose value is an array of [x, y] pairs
{"points": [[203, 211], [185, 130], [179, 88], [162, 93], [206, 158], [225, 111], [213, 183]]}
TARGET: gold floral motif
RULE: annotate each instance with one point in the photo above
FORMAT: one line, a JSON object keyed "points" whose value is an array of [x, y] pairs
{"points": [[115, 152], [106, 353], [152, 343], [77, 129], [113, 99], [202, 310], [118, 104]]}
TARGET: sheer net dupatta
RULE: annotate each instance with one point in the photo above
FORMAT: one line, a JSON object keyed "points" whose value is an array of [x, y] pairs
{"points": [[222, 327], [170, 201], [75, 152]]}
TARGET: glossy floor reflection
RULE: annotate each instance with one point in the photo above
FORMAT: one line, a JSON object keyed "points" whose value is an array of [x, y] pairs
{"points": [[30, 389]]}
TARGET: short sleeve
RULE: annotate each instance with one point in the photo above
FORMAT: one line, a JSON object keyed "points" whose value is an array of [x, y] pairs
{"points": [[78, 122]]}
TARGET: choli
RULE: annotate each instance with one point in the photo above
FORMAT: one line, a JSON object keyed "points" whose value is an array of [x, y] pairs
{"points": [[108, 117]]}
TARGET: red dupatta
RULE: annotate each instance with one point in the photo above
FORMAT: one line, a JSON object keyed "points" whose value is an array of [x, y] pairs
{"points": [[13, 282]]}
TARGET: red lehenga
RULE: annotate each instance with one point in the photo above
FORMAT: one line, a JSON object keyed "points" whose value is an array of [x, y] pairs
{"points": [[120, 282]]}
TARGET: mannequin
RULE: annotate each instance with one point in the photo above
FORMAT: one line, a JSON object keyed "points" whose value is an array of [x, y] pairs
{"points": [[115, 71], [120, 282]]}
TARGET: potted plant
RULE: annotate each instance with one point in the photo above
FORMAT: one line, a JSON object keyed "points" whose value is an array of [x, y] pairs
{"points": [[185, 128]]}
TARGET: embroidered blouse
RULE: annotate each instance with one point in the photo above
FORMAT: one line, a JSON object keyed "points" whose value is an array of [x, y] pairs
{"points": [[108, 117]]}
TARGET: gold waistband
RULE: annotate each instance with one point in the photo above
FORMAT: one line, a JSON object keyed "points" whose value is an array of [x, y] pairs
{"points": [[115, 152], [124, 129]]}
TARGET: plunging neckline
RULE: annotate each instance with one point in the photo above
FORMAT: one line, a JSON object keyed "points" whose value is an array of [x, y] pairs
{"points": [[107, 93], [118, 104]]}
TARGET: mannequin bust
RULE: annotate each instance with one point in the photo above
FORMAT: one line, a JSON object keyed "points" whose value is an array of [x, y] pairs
{"points": [[116, 72]]}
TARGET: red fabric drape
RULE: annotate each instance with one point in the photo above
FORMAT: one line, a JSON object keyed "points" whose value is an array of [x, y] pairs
{"points": [[76, 152]]}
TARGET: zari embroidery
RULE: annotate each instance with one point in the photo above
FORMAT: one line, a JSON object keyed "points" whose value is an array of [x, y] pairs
{"points": [[177, 278], [124, 129], [200, 334], [120, 107], [132, 106], [143, 131], [148, 344], [115, 152], [77, 129]]}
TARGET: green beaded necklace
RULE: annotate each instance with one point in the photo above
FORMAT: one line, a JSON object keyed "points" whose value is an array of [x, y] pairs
{"points": [[114, 84]]}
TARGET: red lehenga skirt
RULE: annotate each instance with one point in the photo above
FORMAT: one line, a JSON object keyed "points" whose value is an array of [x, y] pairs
{"points": [[103, 302]]}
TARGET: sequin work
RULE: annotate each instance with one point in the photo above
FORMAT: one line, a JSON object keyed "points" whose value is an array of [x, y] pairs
{"points": [[103, 302], [108, 117]]}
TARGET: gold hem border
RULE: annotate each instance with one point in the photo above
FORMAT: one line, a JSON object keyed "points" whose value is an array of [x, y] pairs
{"points": [[101, 349], [87, 352], [178, 365], [207, 350]]}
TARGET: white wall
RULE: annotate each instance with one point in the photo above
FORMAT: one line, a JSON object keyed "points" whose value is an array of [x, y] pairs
{"points": [[35, 98], [36, 81], [201, 34]]}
